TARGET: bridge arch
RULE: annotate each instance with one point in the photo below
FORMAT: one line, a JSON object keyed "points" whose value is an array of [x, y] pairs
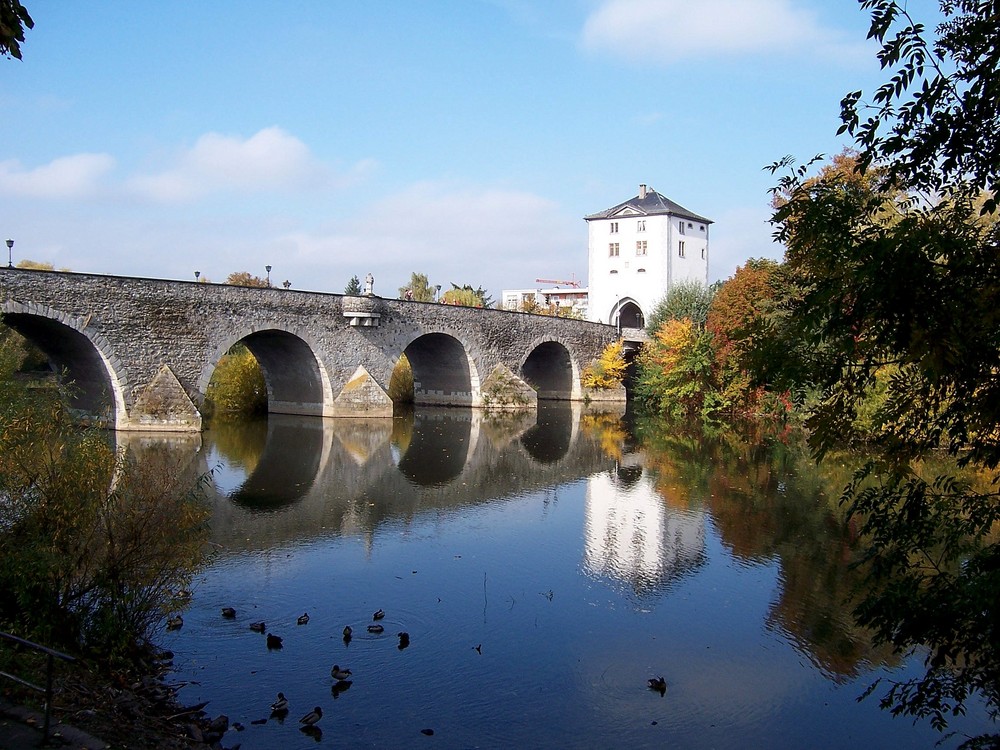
{"points": [[444, 370], [551, 370], [84, 357], [297, 383]]}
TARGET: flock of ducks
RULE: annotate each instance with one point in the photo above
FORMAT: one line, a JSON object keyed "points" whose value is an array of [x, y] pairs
{"points": [[340, 675]]}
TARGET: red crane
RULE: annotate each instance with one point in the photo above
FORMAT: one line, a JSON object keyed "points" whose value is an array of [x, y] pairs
{"points": [[574, 283]]}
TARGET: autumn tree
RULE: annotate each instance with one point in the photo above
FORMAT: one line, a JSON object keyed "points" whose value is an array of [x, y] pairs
{"points": [[34, 265], [903, 272], [676, 373], [737, 319], [608, 370], [244, 278], [467, 296], [419, 288]]}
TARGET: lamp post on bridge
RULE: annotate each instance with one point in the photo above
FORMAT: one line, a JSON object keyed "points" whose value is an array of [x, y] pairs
{"points": [[10, 250], [268, 276], [197, 275]]}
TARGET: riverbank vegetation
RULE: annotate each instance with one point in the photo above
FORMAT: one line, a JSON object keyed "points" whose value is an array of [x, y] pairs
{"points": [[93, 546], [882, 328]]}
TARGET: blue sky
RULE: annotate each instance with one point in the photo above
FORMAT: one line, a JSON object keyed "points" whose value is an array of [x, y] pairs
{"points": [[463, 139]]}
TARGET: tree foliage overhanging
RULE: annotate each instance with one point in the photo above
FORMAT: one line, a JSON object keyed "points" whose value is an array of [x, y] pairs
{"points": [[894, 272], [14, 19]]}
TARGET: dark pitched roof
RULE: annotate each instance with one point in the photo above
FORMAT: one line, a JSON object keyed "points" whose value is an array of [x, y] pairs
{"points": [[651, 205]]}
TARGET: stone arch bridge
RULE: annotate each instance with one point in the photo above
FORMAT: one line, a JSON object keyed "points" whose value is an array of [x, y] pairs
{"points": [[141, 352]]}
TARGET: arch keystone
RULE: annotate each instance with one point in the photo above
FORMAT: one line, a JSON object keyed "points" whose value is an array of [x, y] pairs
{"points": [[362, 396], [164, 405]]}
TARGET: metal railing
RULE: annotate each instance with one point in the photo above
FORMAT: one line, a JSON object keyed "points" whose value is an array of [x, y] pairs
{"points": [[51, 656]]}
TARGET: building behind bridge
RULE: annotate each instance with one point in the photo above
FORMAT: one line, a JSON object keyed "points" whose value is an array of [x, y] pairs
{"points": [[637, 250]]}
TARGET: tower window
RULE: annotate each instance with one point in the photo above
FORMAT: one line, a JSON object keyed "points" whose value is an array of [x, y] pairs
{"points": [[614, 227], [640, 226], [680, 227], [613, 250], [640, 247]]}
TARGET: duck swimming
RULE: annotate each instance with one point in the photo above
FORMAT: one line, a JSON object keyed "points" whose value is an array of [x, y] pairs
{"points": [[303, 618], [404, 640], [348, 631], [376, 629], [378, 615], [228, 612], [273, 641], [280, 705], [658, 684], [258, 627], [339, 674], [312, 717], [175, 622]]}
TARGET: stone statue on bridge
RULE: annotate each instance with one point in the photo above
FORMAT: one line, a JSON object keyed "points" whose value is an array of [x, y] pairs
{"points": [[369, 284]]}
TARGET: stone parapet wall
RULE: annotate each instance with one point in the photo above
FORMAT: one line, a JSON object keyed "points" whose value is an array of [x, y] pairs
{"points": [[135, 327]]}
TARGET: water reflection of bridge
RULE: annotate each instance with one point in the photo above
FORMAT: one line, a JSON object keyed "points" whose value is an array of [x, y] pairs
{"points": [[287, 480], [352, 476]]}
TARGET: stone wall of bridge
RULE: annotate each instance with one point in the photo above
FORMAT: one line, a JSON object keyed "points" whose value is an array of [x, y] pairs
{"points": [[141, 352]]}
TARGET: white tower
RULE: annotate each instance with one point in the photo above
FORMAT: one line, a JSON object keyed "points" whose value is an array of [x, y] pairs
{"points": [[637, 250]]}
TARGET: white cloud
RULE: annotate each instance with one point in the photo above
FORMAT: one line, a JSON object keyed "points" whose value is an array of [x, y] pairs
{"points": [[269, 160], [453, 233], [76, 176], [666, 31]]}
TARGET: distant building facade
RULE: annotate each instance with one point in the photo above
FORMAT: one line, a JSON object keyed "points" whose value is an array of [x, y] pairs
{"points": [[572, 299], [637, 251]]}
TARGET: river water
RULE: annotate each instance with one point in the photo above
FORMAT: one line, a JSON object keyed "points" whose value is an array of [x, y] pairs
{"points": [[544, 569]]}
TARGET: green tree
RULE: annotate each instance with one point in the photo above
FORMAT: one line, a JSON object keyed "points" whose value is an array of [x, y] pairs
{"points": [[353, 286], [686, 299], [903, 273], [14, 19], [244, 278], [419, 288]]}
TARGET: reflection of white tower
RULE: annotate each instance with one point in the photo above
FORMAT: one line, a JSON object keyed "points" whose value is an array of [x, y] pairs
{"points": [[633, 536]]}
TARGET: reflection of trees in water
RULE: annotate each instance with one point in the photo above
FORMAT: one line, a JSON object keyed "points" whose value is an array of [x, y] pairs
{"points": [[240, 441], [770, 502]]}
